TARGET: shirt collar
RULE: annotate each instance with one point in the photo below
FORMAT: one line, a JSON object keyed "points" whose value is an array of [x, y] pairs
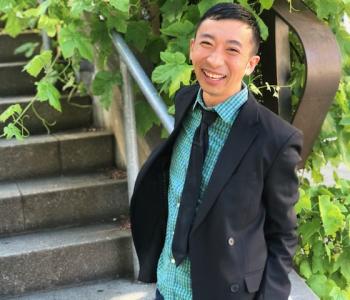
{"points": [[228, 108]]}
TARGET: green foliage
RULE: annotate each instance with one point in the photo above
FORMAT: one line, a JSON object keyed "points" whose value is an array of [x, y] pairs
{"points": [[173, 73], [38, 62], [103, 86], [27, 49]]}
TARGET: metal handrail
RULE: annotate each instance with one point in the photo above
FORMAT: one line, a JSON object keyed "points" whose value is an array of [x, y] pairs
{"points": [[144, 82], [129, 65]]}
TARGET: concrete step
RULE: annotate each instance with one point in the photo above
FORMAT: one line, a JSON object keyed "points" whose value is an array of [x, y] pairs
{"points": [[9, 44], [104, 290], [60, 153], [62, 201], [75, 114], [54, 258], [14, 81]]}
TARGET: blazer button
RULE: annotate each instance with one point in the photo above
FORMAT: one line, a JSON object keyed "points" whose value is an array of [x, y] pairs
{"points": [[234, 288], [231, 241]]}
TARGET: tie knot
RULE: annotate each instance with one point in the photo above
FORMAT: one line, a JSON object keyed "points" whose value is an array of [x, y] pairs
{"points": [[208, 116]]}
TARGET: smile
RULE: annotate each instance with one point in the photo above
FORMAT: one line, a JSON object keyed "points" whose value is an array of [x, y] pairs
{"points": [[213, 75]]}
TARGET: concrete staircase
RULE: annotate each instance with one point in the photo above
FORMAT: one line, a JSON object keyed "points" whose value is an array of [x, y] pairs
{"points": [[63, 204]]}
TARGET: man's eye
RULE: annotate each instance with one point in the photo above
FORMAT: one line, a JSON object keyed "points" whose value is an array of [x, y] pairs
{"points": [[205, 43], [233, 50]]}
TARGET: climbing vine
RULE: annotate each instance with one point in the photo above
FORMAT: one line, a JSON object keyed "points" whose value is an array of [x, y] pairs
{"points": [[158, 31]]}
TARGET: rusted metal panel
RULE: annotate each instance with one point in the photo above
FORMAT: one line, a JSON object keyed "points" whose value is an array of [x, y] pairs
{"points": [[322, 62]]}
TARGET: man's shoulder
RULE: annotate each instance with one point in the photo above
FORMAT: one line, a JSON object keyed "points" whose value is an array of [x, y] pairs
{"points": [[274, 123], [187, 90]]}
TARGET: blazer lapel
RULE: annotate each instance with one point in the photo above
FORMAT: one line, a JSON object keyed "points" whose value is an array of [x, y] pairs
{"points": [[241, 136]]}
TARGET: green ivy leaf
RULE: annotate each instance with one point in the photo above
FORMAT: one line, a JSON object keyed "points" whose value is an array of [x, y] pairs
{"points": [[338, 294], [78, 7], [27, 48], [46, 91], [174, 73], [118, 22], [7, 5], [173, 9], [332, 218], [266, 4], [13, 25], [308, 229], [137, 34], [343, 262], [326, 7], [38, 62], [305, 269], [145, 117], [48, 25], [11, 131], [179, 29], [321, 285], [10, 111], [304, 202], [122, 5], [105, 80], [70, 39], [102, 85], [204, 5], [345, 120]]}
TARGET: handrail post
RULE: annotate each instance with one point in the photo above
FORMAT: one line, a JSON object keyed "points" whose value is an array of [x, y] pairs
{"points": [[132, 159]]}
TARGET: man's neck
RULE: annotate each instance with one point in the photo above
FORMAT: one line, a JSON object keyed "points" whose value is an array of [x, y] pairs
{"points": [[211, 100]]}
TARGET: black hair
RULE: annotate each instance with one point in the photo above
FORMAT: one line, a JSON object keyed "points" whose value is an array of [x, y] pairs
{"points": [[233, 11]]}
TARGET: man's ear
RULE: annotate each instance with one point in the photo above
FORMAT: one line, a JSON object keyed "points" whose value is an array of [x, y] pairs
{"points": [[191, 48], [253, 61]]}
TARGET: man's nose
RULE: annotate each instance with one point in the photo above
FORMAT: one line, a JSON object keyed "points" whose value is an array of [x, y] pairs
{"points": [[215, 59]]}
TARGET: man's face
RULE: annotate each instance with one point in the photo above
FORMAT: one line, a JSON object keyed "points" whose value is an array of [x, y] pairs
{"points": [[221, 54]]}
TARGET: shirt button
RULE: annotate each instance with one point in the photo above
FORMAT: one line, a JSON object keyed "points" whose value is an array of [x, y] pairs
{"points": [[231, 241], [173, 261], [234, 288], [178, 204]]}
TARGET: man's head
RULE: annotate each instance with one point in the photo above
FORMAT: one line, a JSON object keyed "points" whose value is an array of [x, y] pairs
{"points": [[224, 50]]}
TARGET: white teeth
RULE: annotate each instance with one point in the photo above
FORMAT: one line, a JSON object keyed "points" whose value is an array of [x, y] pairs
{"points": [[213, 76]]}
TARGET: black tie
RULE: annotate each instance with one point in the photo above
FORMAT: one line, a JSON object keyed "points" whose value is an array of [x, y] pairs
{"points": [[190, 193]]}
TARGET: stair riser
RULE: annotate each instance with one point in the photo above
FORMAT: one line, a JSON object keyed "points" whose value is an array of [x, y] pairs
{"points": [[74, 264], [72, 117], [9, 44], [80, 206], [15, 82], [54, 155]]}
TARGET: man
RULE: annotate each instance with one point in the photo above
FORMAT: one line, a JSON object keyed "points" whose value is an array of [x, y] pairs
{"points": [[212, 210]]}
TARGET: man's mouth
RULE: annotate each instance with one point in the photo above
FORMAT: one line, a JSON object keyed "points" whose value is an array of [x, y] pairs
{"points": [[213, 76]]}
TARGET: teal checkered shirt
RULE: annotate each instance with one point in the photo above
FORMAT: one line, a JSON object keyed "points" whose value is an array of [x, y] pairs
{"points": [[174, 283]]}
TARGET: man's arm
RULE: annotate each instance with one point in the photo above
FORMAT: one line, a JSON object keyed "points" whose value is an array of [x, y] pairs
{"points": [[279, 196]]}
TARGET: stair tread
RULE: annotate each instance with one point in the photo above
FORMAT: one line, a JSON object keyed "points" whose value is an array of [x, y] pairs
{"points": [[119, 289], [59, 136], [60, 238], [26, 98], [15, 99], [12, 64], [59, 183]]}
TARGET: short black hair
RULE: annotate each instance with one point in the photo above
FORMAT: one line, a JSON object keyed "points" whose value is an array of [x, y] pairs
{"points": [[233, 11]]}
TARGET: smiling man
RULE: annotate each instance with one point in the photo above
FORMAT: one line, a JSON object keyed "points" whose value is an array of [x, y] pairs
{"points": [[212, 210]]}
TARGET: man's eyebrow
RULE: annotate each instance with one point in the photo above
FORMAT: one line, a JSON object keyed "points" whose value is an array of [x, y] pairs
{"points": [[209, 36], [235, 42]]}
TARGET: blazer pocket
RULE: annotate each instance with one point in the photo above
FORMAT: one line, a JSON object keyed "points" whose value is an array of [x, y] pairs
{"points": [[253, 280]]}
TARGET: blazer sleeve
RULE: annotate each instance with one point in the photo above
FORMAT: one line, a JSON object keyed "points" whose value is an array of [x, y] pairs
{"points": [[279, 196]]}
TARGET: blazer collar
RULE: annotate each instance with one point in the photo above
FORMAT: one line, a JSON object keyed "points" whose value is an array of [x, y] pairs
{"points": [[239, 140]]}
